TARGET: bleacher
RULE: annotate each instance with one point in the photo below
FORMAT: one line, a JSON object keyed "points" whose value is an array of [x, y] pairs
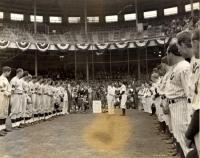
{"points": [[96, 34]]}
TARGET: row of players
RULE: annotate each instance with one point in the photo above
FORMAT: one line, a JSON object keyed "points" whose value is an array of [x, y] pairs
{"points": [[28, 99], [174, 94]]}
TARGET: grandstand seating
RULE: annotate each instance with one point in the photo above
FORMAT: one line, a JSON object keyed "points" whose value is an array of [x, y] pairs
{"points": [[97, 34]]}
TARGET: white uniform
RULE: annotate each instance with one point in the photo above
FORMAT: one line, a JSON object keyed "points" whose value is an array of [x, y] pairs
{"points": [[33, 96], [25, 98], [38, 98], [42, 101], [65, 102], [147, 100], [177, 92], [51, 93], [111, 99], [58, 95], [124, 96], [45, 98], [195, 77], [157, 101], [196, 95], [49, 96], [16, 98], [62, 93], [141, 97], [5, 92], [163, 87]]}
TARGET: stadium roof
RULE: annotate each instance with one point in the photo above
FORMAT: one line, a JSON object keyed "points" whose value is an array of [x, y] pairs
{"points": [[76, 7]]}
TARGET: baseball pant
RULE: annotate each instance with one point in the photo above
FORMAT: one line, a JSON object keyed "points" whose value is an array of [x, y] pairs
{"points": [[16, 106], [179, 121], [110, 101]]}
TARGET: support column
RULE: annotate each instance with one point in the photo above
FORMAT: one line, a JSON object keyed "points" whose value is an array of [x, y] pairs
{"points": [[86, 35], [85, 19], [192, 9], [110, 61], [35, 14], [35, 31], [36, 64], [87, 68], [146, 56], [139, 69], [128, 63], [75, 65], [92, 63], [137, 16]]}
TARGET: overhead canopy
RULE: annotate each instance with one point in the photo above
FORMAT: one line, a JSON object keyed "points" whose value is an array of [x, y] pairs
{"points": [[75, 7]]}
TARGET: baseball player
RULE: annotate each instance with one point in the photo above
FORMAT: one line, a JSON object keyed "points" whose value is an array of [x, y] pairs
{"points": [[141, 96], [111, 98], [177, 94], [147, 98], [186, 50], [196, 97], [65, 101], [5, 92], [16, 98], [24, 96], [32, 86], [162, 88], [123, 97], [29, 107], [38, 90]]}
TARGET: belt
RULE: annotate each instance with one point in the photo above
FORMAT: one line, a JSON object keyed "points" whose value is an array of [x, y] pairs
{"points": [[173, 101], [18, 93]]}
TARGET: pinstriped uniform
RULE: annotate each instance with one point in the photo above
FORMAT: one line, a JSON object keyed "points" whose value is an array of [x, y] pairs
{"points": [[158, 100], [196, 95], [195, 77], [178, 90], [163, 87]]}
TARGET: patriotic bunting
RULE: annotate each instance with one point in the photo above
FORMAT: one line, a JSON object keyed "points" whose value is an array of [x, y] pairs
{"points": [[83, 46], [63, 46], [162, 41], [121, 45], [4, 44], [23, 45], [42, 46], [102, 46], [141, 43]]}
